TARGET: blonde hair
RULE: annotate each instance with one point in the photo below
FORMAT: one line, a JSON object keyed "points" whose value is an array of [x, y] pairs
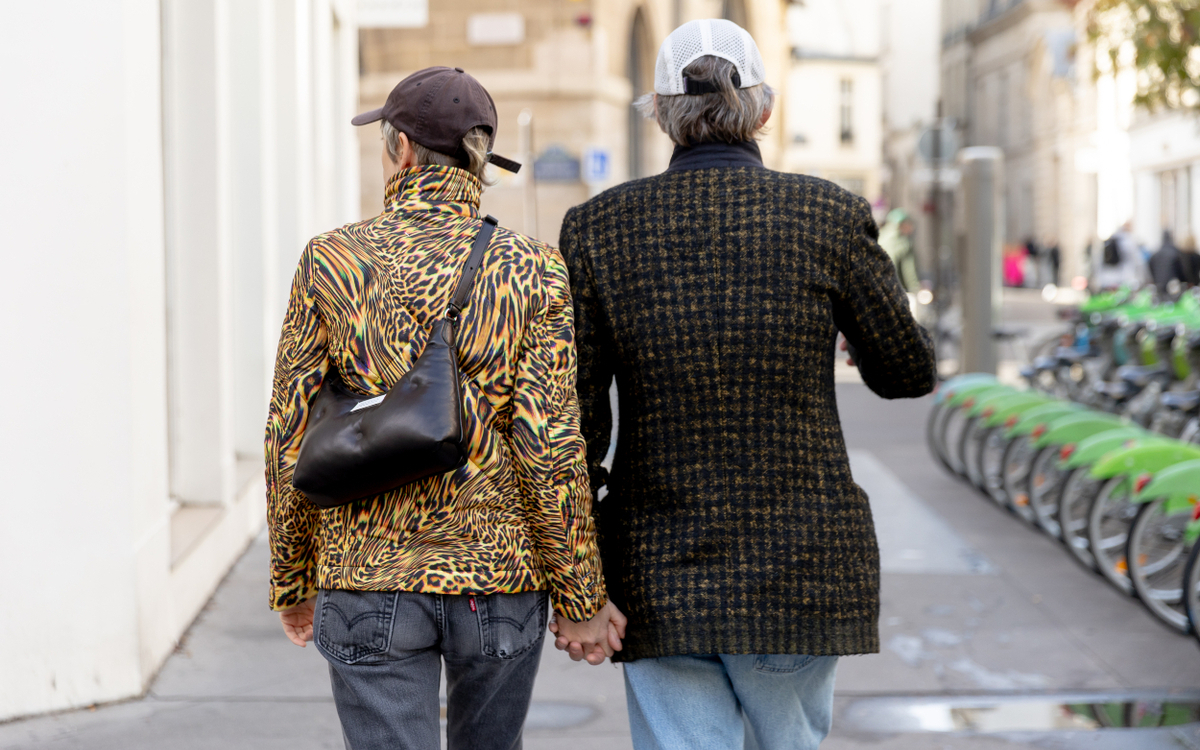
{"points": [[474, 143], [731, 115]]}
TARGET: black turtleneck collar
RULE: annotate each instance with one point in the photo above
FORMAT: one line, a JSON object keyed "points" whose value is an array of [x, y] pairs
{"points": [[710, 155]]}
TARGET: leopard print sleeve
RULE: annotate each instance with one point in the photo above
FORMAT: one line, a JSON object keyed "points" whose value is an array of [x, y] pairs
{"points": [[293, 522], [550, 451]]}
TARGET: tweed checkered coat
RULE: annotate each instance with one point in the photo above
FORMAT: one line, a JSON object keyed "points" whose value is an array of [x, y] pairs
{"points": [[714, 296]]}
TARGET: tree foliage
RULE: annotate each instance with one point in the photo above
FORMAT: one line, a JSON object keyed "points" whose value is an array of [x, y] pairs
{"points": [[1160, 39]]}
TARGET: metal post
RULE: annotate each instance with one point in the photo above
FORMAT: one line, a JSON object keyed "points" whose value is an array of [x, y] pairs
{"points": [[935, 231], [983, 191], [525, 146]]}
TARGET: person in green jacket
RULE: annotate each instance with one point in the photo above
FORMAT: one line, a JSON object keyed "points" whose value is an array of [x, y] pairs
{"points": [[896, 240]]}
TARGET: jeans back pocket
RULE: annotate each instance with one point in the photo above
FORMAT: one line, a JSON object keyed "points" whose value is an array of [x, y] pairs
{"points": [[511, 624], [355, 626], [782, 663]]}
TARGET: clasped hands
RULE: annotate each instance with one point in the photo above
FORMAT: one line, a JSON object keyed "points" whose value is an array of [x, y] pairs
{"points": [[593, 640]]}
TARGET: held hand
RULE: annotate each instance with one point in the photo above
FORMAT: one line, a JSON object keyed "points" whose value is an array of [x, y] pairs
{"points": [[593, 640], [298, 621], [845, 346]]}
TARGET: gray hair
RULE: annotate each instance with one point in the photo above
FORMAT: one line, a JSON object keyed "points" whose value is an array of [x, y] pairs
{"points": [[474, 143], [732, 115]]}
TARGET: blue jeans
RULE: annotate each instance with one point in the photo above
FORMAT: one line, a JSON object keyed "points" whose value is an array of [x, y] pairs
{"points": [[717, 702], [385, 651]]}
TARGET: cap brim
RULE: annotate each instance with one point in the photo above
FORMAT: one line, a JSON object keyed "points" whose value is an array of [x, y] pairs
{"points": [[507, 164], [366, 118]]}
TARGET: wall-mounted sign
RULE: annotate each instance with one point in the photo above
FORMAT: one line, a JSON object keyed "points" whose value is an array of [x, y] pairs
{"points": [[393, 14], [556, 165], [597, 165], [494, 29]]}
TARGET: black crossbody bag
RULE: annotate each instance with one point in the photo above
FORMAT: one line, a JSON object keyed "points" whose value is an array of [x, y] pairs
{"points": [[356, 447]]}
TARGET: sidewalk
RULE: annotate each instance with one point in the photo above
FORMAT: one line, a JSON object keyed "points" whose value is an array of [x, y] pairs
{"points": [[973, 602]]}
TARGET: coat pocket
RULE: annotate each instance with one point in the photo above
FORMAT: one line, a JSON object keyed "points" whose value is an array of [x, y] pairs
{"points": [[355, 627], [511, 624]]}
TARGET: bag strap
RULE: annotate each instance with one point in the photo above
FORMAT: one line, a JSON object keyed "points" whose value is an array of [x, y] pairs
{"points": [[473, 263]]}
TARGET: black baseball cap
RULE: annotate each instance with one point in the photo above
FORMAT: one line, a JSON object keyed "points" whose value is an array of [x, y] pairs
{"points": [[437, 107]]}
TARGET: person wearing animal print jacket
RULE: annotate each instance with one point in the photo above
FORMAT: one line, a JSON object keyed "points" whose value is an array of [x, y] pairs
{"points": [[457, 566]]}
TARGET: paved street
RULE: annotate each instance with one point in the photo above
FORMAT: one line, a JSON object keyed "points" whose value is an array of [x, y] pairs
{"points": [[973, 603]]}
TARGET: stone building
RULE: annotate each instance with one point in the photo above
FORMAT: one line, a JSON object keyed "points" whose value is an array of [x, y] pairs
{"points": [[169, 162], [834, 95], [1008, 79], [909, 64], [576, 66]]}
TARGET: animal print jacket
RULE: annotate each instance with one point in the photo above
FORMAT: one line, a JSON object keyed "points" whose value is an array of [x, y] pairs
{"points": [[518, 516]]}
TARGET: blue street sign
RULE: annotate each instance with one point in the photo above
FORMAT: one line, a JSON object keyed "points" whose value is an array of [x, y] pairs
{"points": [[597, 165]]}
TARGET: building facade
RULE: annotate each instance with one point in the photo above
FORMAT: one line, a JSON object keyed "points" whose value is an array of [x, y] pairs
{"points": [[1165, 162], [909, 65], [575, 66], [1010, 80], [834, 96], [170, 162]]}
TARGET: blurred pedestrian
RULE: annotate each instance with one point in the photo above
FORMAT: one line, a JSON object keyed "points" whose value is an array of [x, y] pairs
{"points": [[1031, 264], [458, 566], [896, 239], [733, 534], [1189, 260], [1165, 265], [1013, 265], [1053, 256], [1120, 261]]}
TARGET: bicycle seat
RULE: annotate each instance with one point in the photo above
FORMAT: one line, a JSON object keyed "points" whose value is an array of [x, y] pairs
{"points": [[1165, 334], [1041, 364], [1117, 390], [1069, 355], [1004, 333], [1181, 401], [1140, 376]]}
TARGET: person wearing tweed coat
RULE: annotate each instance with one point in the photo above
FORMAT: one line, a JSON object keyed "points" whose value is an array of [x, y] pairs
{"points": [[732, 534]]}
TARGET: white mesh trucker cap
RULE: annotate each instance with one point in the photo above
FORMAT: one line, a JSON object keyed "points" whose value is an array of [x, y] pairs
{"points": [[716, 37]]}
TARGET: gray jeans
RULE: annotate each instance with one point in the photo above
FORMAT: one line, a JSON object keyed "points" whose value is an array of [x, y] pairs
{"points": [[385, 652]]}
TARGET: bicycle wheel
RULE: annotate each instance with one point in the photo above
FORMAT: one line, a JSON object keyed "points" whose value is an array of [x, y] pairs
{"points": [[1078, 492], [1191, 590], [1046, 483], [954, 426], [1018, 464], [972, 443], [1157, 553], [933, 432], [992, 451], [1109, 520]]}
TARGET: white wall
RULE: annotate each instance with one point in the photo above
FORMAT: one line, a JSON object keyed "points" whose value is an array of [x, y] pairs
{"points": [[82, 314], [834, 41], [151, 237], [910, 45]]}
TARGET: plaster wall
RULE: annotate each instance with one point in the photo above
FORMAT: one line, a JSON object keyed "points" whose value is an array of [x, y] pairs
{"points": [[147, 272]]}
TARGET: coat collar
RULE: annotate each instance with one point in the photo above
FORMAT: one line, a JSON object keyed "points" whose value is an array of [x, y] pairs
{"points": [[434, 188], [709, 155]]}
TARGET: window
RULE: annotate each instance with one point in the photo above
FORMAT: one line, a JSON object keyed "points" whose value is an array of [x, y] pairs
{"points": [[846, 112]]}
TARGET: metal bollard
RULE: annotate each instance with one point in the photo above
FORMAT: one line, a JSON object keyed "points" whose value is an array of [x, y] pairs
{"points": [[983, 199]]}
